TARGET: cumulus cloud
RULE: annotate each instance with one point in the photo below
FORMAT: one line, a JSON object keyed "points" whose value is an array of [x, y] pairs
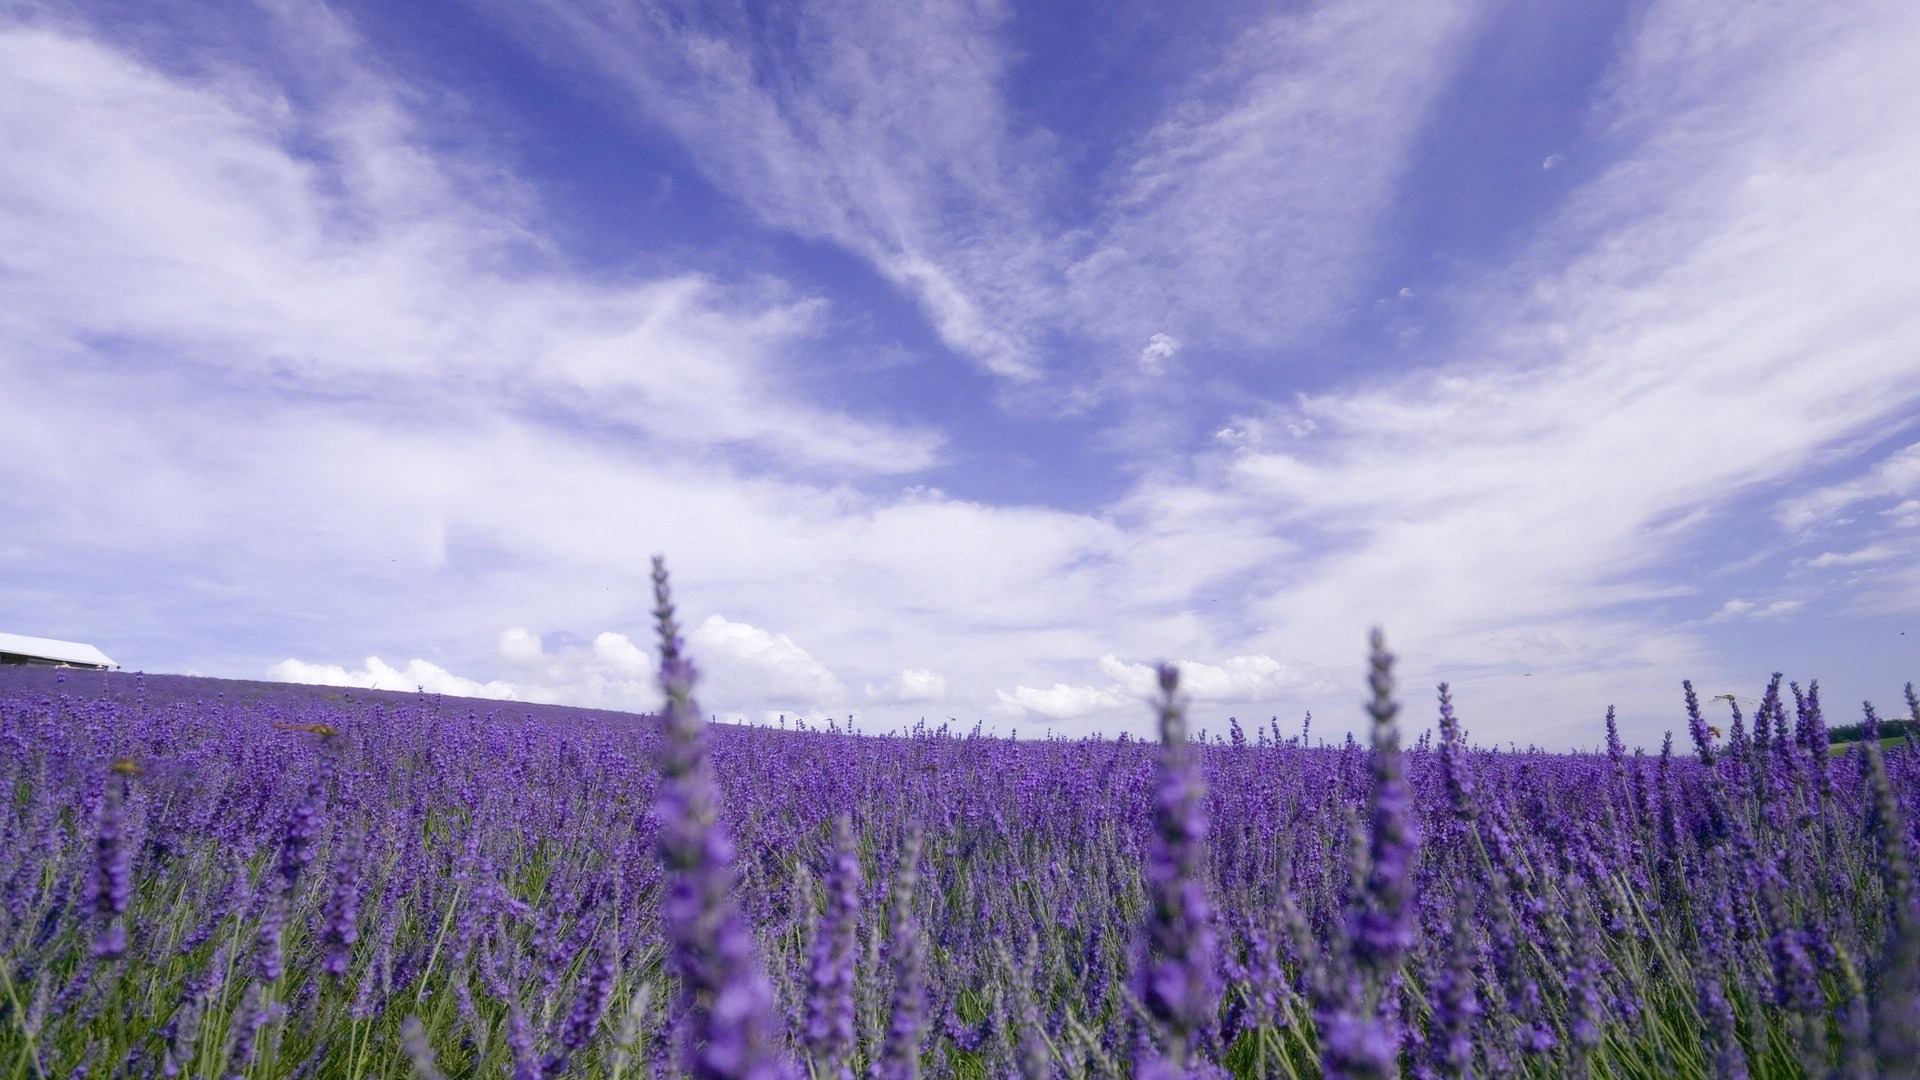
{"points": [[376, 674], [763, 664], [1059, 702], [1236, 679], [518, 646], [1131, 686], [911, 686]]}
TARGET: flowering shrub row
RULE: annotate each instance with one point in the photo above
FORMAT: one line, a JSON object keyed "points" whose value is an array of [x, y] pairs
{"points": [[283, 883]]}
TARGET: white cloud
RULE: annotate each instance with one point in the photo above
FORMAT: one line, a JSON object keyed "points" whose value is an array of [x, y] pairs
{"points": [[1871, 554], [1245, 215], [1131, 687], [518, 645], [753, 661], [146, 207], [341, 402], [1896, 477], [911, 686], [1236, 679], [376, 674], [1060, 702], [1748, 609], [1160, 348], [828, 136]]}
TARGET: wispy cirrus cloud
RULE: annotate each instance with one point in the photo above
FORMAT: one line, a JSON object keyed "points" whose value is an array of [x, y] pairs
{"points": [[1246, 216], [1662, 350], [1243, 217], [198, 219], [822, 122]]}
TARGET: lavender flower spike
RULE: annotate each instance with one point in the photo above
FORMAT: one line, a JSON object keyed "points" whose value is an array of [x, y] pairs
{"points": [[900, 1053], [726, 996], [829, 1031], [1383, 927], [1453, 765], [1357, 1036], [1178, 968], [113, 869], [340, 917]]}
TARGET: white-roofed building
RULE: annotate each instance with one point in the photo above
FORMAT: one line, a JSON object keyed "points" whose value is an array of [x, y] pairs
{"points": [[21, 649]]}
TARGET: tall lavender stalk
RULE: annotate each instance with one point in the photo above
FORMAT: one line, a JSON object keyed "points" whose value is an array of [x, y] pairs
{"points": [[1454, 998], [724, 994], [113, 864], [1383, 926], [1178, 985], [1356, 1037], [1453, 754], [1896, 1005], [900, 1053], [829, 1030], [340, 926]]}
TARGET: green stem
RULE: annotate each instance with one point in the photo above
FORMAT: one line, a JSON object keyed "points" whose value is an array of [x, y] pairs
{"points": [[446, 923], [20, 1014]]}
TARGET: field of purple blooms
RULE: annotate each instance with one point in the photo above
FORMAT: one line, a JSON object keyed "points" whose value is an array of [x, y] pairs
{"points": [[216, 879]]}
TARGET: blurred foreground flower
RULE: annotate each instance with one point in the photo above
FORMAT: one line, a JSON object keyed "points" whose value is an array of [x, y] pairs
{"points": [[730, 1029]]}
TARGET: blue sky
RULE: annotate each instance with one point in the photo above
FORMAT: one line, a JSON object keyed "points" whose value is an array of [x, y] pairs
{"points": [[965, 359]]}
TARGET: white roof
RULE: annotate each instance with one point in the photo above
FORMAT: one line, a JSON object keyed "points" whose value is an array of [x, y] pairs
{"points": [[70, 652]]}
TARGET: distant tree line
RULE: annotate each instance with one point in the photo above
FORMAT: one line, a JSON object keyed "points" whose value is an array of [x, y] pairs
{"points": [[1889, 729]]}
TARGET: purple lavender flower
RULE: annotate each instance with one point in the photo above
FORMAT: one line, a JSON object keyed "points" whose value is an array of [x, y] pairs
{"points": [[340, 918], [255, 1013], [269, 963], [113, 865], [1454, 999], [1453, 759], [1585, 967], [1764, 728], [1178, 989], [1358, 1035], [520, 1044], [413, 1041], [296, 853], [1728, 1059], [1884, 827], [1031, 1052], [1382, 926], [1795, 984], [296, 844], [726, 997], [900, 1051], [182, 1031], [595, 985], [1896, 1002], [1697, 726], [829, 1024], [1356, 1046]]}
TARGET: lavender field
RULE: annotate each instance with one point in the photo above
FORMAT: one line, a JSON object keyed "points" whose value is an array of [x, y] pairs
{"points": [[226, 880]]}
